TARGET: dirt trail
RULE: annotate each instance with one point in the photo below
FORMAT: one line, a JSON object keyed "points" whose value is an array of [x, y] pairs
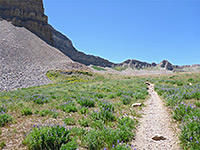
{"points": [[156, 123]]}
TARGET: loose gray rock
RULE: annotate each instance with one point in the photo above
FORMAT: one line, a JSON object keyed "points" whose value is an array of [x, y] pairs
{"points": [[136, 104]]}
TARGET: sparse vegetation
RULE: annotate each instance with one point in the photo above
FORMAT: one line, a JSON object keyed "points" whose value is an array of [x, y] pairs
{"points": [[183, 97], [95, 111], [98, 68], [90, 106]]}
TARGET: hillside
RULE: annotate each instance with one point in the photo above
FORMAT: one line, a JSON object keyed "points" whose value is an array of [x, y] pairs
{"points": [[25, 58], [65, 45]]}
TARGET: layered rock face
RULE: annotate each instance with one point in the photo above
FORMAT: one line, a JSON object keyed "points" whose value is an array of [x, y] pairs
{"points": [[29, 14], [64, 44]]}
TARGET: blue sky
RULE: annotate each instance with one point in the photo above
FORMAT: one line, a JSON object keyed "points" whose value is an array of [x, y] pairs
{"points": [[146, 30]]}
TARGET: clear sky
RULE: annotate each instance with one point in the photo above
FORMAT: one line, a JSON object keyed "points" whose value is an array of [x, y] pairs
{"points": [[146, 30]]}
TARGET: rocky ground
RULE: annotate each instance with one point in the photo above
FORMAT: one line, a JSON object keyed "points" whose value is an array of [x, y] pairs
{"points": [[156, 130], [25, 58], [132, 72]]}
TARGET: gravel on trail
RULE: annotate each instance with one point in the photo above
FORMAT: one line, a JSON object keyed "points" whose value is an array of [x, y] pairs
{"points": [[25, 58], [156, 130]]}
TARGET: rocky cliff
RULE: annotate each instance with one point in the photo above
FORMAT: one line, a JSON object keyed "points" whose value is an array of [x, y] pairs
{"points": [[29, 14], [64, 44]]}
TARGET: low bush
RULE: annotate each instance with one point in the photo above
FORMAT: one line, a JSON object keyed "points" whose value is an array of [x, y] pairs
{"points": [[104, 115], [197, 103], [3, 109], [5, 118], [84, 110], [84, 122], [68, 107], [106, 105], [47, 137], [182, 110], [121, 147], [72, 145], [48, 112], [97, 124], [26, 111], [39, 99], [125, 99], [128, 122], [98, 68], [86, 102], [93, 140], [69, 121]]}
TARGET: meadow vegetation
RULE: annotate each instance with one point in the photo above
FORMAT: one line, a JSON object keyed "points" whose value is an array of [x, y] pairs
{"points": [[78, 110], [82, 110]]}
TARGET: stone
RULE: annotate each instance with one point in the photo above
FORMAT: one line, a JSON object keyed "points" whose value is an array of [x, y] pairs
{"points": [[136, 104], [158, 138], [147, 83]]}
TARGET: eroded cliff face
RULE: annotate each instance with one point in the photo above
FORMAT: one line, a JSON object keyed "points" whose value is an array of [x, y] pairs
{"points": [[29, 14]]}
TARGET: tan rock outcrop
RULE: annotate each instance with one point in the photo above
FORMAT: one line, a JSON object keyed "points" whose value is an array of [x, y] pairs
{"points": [[29, 14]]}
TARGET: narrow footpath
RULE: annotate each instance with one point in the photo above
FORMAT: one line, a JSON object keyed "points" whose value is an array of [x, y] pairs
{"points": [[156, 130]]}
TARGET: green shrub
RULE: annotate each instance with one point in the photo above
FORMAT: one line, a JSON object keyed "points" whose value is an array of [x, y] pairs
{"points": [[125, 133], [128, 122], [97, 124], [2, 144], [125, 99], [121, 147], [39, 99], [93, 140], [99, 95], [26, 111], [48, 112], [179, 83], [84, 122], [182, 110], [69, 121], [5, 118], [106, 105], [83, 110], [47, 137], [36, 112], [112, 95], [68, 107], [72, 145], [104, 115], [98, 68], [86, 102], [3, 109], [197, 103]]}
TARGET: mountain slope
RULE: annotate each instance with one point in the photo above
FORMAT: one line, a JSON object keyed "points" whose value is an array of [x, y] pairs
{"points": [[28, 14], [64, 44], [25, 58]]}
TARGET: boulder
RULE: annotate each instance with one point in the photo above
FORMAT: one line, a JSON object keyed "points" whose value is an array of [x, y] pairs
{"points": [[136, 104]]}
